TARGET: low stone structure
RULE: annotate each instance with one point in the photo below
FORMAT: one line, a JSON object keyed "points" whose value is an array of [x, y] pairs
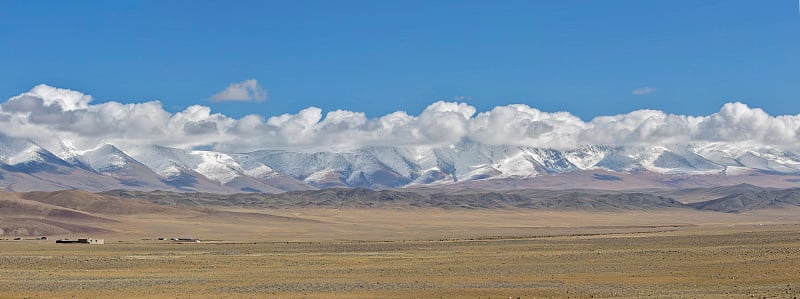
{"points": [[82, 241]]}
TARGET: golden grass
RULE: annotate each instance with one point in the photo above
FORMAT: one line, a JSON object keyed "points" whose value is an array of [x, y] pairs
{"points": [[305, 224], [711, 260]]}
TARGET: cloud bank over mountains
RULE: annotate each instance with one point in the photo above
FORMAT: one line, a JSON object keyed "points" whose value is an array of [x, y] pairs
{"points": [[49, 115]]}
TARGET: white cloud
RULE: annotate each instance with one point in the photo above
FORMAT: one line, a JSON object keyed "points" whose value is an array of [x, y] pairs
{"points": [[643, 90], [50, 115], [245, 91]]}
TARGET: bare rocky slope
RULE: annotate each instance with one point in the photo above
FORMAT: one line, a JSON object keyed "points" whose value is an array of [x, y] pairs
{"points": [[731, 199]]}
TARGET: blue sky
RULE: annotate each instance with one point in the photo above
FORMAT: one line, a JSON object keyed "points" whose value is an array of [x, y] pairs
{"points": [[585, 57]]}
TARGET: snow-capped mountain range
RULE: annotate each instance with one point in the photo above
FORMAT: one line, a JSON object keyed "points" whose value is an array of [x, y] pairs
{"points": [[25, 165]]}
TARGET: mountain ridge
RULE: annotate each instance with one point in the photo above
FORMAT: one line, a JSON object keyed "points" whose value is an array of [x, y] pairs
{"points": [[26, 166]]}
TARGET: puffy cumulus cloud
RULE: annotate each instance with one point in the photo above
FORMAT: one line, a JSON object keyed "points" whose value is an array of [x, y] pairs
{"points": [[445, 122], [51, 116], [48, 120], [641, 126], [247, 90], [523, 125], [67, 99], [736, 122], [200, 127]]}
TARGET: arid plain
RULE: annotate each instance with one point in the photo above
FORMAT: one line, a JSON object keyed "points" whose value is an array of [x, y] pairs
{"points": [[394, 251]]}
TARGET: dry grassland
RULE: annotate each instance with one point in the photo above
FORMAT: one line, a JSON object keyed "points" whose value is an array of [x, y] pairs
{"points": [[668, 258]]}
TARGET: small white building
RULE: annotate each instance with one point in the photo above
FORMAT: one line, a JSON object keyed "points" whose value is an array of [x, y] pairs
{"points": [[92, 241]]}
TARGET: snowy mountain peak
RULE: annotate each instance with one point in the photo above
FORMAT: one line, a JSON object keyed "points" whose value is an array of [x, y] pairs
{"points": [[30, 153], [14, 151], [104, 158], [68, 150], [215, 166]]}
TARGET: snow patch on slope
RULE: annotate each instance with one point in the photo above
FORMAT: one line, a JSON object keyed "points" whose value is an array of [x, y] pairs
{"points": [[215, 166]]}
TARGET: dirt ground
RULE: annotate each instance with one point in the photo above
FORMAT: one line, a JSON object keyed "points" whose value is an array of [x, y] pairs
{"points": [[724, 260]]}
